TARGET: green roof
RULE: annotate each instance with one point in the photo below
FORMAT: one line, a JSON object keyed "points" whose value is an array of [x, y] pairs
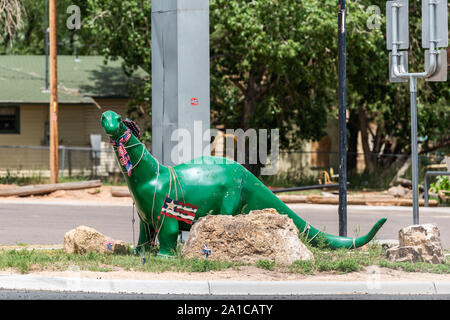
{"points": [[22, 79]]}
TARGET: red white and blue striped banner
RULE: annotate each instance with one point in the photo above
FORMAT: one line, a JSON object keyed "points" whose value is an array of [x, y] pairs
{"points": [[181, 211]]}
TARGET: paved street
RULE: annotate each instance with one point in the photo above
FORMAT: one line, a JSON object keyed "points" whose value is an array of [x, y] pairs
{"points": [[35, 222], [49, 295]]}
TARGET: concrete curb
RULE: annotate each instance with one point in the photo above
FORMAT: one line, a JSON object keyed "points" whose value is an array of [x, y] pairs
{"points": [[41, 283]]}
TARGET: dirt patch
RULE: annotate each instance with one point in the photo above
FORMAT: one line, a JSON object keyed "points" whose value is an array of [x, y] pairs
{"points": [[95, 195], [246, 273]]}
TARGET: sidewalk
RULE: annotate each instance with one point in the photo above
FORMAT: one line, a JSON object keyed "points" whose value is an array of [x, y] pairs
{"points": [[221, 287]]}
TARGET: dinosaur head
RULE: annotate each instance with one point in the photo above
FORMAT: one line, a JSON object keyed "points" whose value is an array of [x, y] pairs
{"points": [[113, 125]]}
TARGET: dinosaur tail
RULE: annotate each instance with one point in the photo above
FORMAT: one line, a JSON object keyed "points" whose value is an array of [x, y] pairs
{"points": [[266, 199]]}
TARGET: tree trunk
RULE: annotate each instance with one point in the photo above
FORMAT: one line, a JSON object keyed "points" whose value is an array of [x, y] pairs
{"points": [[352, 149], [247, 114], [365, 136], [249, 102]]}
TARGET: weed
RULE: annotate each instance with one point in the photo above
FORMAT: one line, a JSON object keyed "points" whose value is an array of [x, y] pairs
{"points": [[302, 266], [265, 264]]}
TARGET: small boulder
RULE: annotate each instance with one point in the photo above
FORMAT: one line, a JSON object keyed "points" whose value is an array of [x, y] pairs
{"points": [[260, 235], [418, 243], [397, 191], [83, 239]]}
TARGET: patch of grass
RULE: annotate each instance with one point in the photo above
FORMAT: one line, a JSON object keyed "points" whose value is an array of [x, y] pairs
{"points": [[302, 267], [417, 267], [265, 264], [378, 179], [325, 260], [295, 178], [26, 260], [345, 261], [20, 179]]}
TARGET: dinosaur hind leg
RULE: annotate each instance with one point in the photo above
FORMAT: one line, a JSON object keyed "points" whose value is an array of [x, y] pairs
{"points": [[230, 203], [168, 236]]}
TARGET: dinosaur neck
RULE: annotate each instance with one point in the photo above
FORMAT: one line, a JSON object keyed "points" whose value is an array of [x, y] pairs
{"points": [[145, 166]]}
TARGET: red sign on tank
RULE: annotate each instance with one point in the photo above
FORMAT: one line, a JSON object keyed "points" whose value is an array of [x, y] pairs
{"points": [[194, 102]]}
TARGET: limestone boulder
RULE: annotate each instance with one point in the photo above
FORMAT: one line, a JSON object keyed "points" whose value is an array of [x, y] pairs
{"points": [[84, 239], [418, 243], [260, 235]]}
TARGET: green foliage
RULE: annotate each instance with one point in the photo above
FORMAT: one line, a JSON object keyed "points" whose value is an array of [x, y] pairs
{"points": [[273, 65], [124, 30], [417, 267], [303, 267], [289, 179], [20, 179], [378, 179], [30, 37], [265, 70], [265, 264], [441, 183]]}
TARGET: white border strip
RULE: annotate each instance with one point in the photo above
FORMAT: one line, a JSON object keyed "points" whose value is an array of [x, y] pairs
{"points": [[41, 283]]}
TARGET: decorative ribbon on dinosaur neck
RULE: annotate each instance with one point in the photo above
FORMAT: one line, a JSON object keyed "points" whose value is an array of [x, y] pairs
{"points": [[123, 154]]}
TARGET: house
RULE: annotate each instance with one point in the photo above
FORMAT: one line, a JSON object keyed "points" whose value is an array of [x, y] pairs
{"points": [[87, 86]]}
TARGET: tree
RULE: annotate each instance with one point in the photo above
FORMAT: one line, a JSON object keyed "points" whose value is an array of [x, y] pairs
{"points": [[263, 72], [373, 99], [10, 16], [273, 65], [29, 22], [123, 28]]}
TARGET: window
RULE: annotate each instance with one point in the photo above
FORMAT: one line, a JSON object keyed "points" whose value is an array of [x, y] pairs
{"points": [[9, 119]]}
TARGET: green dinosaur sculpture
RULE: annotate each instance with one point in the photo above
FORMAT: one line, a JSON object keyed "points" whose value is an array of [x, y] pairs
{"points": [[207, 185]]}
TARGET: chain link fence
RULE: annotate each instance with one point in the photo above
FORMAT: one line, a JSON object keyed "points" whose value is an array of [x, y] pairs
{"points": [[295, 168], [315, 167], [33, 161]]}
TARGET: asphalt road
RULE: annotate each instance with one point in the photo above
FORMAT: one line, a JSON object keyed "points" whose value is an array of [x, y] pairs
{"points": [[43, 223], [48, 295]]}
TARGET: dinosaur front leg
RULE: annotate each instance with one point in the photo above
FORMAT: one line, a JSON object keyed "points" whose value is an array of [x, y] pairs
{"points": [[167, 237], [146, 235]]}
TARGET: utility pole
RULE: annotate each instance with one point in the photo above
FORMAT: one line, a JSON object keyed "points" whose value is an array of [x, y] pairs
{"points": [[53, 112], [342, 119]]}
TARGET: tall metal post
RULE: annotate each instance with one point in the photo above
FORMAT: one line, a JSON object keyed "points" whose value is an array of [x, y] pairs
{"points": [[414, 151], [434, 35], [342, 119], [53, 112]]}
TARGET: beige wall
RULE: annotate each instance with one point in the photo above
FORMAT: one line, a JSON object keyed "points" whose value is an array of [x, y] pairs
{"points": [[93, 114], [76, 123]]}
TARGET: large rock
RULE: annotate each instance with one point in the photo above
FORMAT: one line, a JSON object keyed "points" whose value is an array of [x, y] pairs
{"points": [[260, 235], [418, 243], [84, 239]]}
